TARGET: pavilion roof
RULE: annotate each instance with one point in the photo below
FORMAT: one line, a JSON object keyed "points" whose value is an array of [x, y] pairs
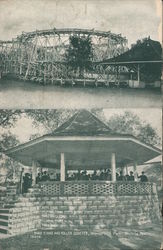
{"points": [[82, 123], [87, 142], [146, 50]]}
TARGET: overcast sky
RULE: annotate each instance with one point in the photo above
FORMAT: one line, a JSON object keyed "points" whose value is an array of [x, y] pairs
{"points": [[134, 19]]}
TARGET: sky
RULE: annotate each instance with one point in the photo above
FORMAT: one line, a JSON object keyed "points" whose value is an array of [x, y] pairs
{"points": [[134, 19], [24, 127]]}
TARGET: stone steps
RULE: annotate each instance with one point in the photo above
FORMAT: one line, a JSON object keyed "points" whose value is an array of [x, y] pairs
{"points": [[3, 222], [9, 206], [4, 229], [4, 216], [5, 207], [4, 211], [19, 215], [16, 214]]}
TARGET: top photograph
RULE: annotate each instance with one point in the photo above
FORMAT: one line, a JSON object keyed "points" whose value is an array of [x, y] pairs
{"points": [[80, 54]]}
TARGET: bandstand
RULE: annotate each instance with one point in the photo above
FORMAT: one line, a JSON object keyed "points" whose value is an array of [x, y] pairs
{"points": [[82, 143]]}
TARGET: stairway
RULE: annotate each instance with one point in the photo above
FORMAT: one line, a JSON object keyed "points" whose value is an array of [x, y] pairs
{"points": [[7, 202], [19, 213], [4, 223]]}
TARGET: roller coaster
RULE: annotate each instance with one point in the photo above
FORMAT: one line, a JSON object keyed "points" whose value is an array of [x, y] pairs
{"points": [[40, 56]]}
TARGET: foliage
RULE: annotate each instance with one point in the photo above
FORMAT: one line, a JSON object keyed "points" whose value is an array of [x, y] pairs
{"points": [[49, 119], [9, 168], [79, 53], [8, 140], [129, 123], [9, 117]]}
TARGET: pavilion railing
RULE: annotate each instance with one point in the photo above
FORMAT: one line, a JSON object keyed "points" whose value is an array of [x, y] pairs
{"points": [[79, 188]]}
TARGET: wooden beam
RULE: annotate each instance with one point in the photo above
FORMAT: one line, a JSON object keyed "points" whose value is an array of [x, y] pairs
{"points": [[113, 167], [34, 172], [62, 167], [135, 170], [138, 73], [129, 62]]}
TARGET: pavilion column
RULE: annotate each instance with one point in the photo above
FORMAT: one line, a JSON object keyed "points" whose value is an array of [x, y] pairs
{"points": [[126, 169], [135, 170], [113, 167], [62, 167], [138, 73], [34, 172]]}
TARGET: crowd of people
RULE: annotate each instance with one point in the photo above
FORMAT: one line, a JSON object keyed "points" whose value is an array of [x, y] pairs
{"points": [[105, 175], [26, 178], [86, 176]]}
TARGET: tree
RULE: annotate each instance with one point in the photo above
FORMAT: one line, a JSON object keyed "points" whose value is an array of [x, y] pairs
{"points": [[8, 140], [80, 53], [129, 123], [49, 119], [9, 167], [9, 117], [7, 120], [149, 135]]}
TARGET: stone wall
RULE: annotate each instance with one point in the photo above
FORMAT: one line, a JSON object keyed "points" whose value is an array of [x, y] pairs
{"points": [[97, 212], [84, 213]]}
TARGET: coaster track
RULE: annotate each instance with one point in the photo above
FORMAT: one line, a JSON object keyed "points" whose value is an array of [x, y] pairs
{"points": [[40, 55]]}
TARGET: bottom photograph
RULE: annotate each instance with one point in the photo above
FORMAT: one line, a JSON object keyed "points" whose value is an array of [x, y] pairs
{"points": [[80, 179]]}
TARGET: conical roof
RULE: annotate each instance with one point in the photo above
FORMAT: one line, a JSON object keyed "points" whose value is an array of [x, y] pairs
{"points": [[86, 142], [83, 122]]}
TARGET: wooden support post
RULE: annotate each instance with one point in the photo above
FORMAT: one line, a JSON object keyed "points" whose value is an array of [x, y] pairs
{"points": [[34, 172], [21, 181], [52, 73], [117, 76], [62, 167], [126, 169], [113, 167], [138, 73], [135, 171]]}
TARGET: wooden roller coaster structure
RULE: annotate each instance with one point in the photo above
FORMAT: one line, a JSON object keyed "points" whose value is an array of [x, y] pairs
{"points": [[40, 56]]}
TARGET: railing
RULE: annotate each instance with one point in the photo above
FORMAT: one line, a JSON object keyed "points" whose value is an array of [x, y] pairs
{"points": [[79, 188]]}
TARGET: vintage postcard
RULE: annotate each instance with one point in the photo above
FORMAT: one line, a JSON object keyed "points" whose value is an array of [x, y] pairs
{"points": [[80, 179], [81, 125], [79, 54]]}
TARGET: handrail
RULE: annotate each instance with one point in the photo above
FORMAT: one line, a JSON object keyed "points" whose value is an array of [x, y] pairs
{"points": [[57, 188]]}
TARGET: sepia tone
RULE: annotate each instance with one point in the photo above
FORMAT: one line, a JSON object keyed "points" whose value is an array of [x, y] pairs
{"points": [[40, 60], [81, 124]]}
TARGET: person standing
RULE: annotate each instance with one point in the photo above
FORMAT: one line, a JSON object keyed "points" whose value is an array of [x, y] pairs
{"points": [[143, 177], [121, 177], [131, 176]]}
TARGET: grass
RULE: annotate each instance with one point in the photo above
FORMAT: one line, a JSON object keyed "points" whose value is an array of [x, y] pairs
{"points": [[20, 94], [121, 238]]}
